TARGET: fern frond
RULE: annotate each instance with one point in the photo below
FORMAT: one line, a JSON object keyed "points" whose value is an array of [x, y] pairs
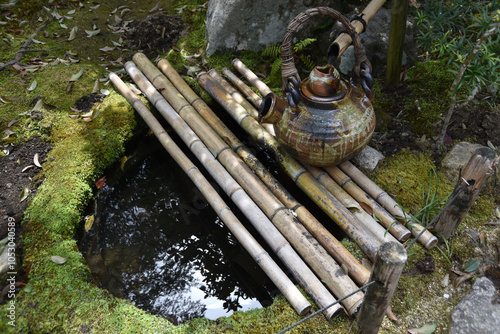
{"points": [[301, 45], [308, 62], [272, 51]]}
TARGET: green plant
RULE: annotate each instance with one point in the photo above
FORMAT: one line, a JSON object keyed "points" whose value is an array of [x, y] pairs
{"points": [[449, 29], [449, 250], [273, 53]]}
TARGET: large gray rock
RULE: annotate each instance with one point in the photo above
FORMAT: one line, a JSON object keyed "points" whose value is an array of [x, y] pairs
{"points": [[375, 41], [457, 159], [252, 24], [478, 312]]}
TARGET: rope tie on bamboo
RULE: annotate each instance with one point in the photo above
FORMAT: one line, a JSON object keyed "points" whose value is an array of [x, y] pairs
{"points": [[367, 285], [433, 221]]}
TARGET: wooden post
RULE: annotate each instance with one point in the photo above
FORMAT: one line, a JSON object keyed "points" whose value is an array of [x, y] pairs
{"points": [[389, 263], [481, 165], [397, 34]]}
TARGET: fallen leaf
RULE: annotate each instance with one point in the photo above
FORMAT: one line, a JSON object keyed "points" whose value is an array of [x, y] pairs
{"points": [[471, 265], [27, 167], [58, 259], [96, 87], [38, 105], [32, 86], [107, 48], [425, 329], [24, 194], [391, 315], [497, 212], [37, 41], [124, 160], [72, 33], [100, 183], [71, 12], [89, 220], [461, 279], [35, 161], [104, 92], [92, 33], [76, 76]]}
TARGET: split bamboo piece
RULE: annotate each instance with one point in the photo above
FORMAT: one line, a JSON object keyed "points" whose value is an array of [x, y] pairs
{"points": [[255, 99], [427, 238], [369, 204], [313, 253], [305, 181], [351, 204], [355, 270], [272, 270], [255, 215]]}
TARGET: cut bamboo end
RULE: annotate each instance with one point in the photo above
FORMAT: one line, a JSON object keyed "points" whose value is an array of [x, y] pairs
{"points": [[427, 239]]}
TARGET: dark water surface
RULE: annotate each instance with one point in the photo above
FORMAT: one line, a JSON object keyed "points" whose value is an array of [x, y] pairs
{"points": [[156, 242]]}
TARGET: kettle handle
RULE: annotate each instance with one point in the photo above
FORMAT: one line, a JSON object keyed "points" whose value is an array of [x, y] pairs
{"points": [[288, 69]]}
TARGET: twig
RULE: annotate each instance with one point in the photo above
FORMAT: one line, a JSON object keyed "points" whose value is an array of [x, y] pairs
{"points": [[460, 73], [24, 47]]}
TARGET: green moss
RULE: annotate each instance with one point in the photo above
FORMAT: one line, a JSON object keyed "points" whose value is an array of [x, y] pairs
{"points": [[409, 177]]}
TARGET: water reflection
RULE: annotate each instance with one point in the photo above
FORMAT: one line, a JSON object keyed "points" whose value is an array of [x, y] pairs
{"points": [[156, 242]]}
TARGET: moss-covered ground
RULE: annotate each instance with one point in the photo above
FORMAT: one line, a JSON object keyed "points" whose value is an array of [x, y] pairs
{"points": [[60, 298]]}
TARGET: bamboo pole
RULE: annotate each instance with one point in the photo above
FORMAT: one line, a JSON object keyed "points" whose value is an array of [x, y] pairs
{"points": [[251, 77], [239, 98], [272, 270], [481, 165], [387, 268], [305, 181], [310, 250], [237, 172], [255, 99], [427, 239], [350, 203], [342, 42], [397, 33], [367, 202], [355, 270]]}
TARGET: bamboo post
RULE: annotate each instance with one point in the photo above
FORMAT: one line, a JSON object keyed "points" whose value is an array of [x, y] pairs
{"points": [[387, 269], [313, 253], [397, 34], [355, 270], [305, 181], [272, 270], [254, 214], [479, 168], [427, 238], [367, 202]]}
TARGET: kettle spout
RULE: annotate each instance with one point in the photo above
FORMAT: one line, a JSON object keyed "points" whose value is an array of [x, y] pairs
{"points": [[271, 109]]}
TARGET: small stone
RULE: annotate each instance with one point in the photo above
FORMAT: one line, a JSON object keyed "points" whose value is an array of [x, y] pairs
{"points": [[446, 296]]}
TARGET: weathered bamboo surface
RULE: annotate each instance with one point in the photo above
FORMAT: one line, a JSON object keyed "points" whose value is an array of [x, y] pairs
{"points": [[481, 165], [355, 270], [304, 180], [427, 238], [261, 257], [387, 269], [382, 199], [259, 220]]}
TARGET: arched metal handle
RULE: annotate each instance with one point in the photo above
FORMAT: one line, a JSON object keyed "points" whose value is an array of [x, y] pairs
{"points": [[288, 69]]}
